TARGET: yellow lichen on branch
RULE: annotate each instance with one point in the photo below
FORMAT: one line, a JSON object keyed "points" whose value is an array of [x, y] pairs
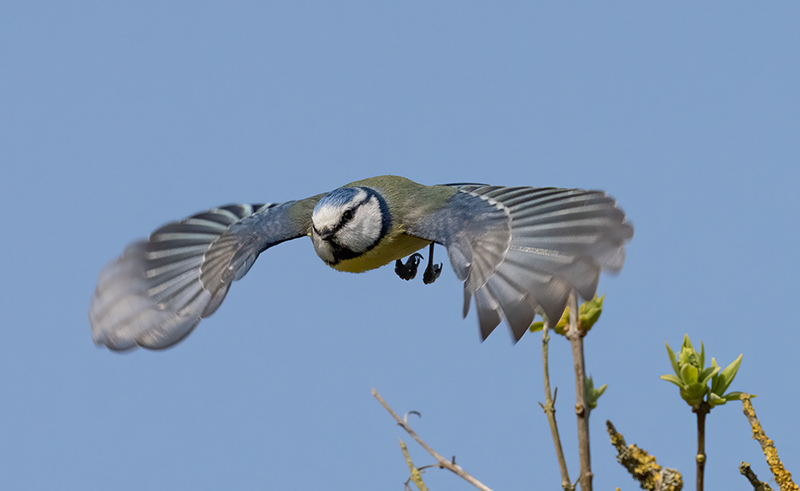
{"points": [[782, 476], [416, 475], [643, 466]]}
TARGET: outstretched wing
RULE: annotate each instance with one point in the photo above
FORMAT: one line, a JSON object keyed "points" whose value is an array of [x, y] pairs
{"points": [[520, 248], [159, 289]]}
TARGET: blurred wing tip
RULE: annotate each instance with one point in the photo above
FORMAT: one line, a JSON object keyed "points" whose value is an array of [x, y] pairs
{"points": [[102, 341], [614, 263]]}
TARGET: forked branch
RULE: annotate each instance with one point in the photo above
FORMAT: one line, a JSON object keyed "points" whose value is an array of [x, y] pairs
{"points": [[442, 462]]}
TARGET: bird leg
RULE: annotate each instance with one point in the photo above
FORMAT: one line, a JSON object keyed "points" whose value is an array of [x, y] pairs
{"points": [[433, 270], [408, 270]]}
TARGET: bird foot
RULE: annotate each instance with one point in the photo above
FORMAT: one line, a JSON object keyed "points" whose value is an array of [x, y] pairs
{"points": [[431, 273], [408, 270]]}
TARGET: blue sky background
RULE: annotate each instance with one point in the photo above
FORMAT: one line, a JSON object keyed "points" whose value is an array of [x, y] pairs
{"points": [[118, 117]]}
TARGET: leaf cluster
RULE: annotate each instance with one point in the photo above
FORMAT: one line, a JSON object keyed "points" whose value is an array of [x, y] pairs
{"points": [[588, 314], [693, 377]]}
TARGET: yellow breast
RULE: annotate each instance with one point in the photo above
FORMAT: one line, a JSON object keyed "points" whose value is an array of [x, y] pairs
{"points": [[390, 248]]}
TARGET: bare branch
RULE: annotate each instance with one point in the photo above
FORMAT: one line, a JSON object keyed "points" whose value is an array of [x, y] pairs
{"points": [[747, 472], [549, 408], [701, 412], [575, 335], [441, 460]]}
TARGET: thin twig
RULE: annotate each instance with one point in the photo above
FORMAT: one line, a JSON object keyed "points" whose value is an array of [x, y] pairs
{"points": [[757, 484], [575, 336], [549, 408], [782, 476], [701, 412], [452, 466]]}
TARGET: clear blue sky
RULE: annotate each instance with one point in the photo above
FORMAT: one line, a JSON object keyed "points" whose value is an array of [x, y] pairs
{"points": [[118, 117]]}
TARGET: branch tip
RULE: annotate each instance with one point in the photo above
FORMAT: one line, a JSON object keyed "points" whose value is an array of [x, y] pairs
{"points": [[782, 476]]}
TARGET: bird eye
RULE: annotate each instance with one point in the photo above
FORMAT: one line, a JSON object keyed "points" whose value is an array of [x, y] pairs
{"points": [[347, 215]]}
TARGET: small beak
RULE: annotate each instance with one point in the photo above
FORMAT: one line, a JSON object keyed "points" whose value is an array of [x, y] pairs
{"points": [[324, 234]]}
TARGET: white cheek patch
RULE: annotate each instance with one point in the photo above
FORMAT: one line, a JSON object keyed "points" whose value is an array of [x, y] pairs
{"points": [[364, 230], [330, 214]]}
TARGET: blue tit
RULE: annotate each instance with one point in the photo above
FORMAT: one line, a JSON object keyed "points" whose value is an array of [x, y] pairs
{"points": [[518, 250]]}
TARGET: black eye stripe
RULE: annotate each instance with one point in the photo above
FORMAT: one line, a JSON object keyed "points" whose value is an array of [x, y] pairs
{"points": [[347, 215], [350, 213]]}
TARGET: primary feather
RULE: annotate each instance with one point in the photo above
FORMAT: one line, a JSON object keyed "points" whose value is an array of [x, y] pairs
{"points": [[158, 290], [518, 249]]}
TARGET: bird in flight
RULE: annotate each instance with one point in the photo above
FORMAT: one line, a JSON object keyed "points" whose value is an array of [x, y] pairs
{"points": [[518, 250]]}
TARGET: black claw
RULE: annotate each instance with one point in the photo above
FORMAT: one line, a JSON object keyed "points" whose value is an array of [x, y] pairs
{"points": [[433, 270], [408, 270], [431, 273]]}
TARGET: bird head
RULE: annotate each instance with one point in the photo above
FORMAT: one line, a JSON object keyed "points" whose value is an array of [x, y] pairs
{"points": [[348, 222]]}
